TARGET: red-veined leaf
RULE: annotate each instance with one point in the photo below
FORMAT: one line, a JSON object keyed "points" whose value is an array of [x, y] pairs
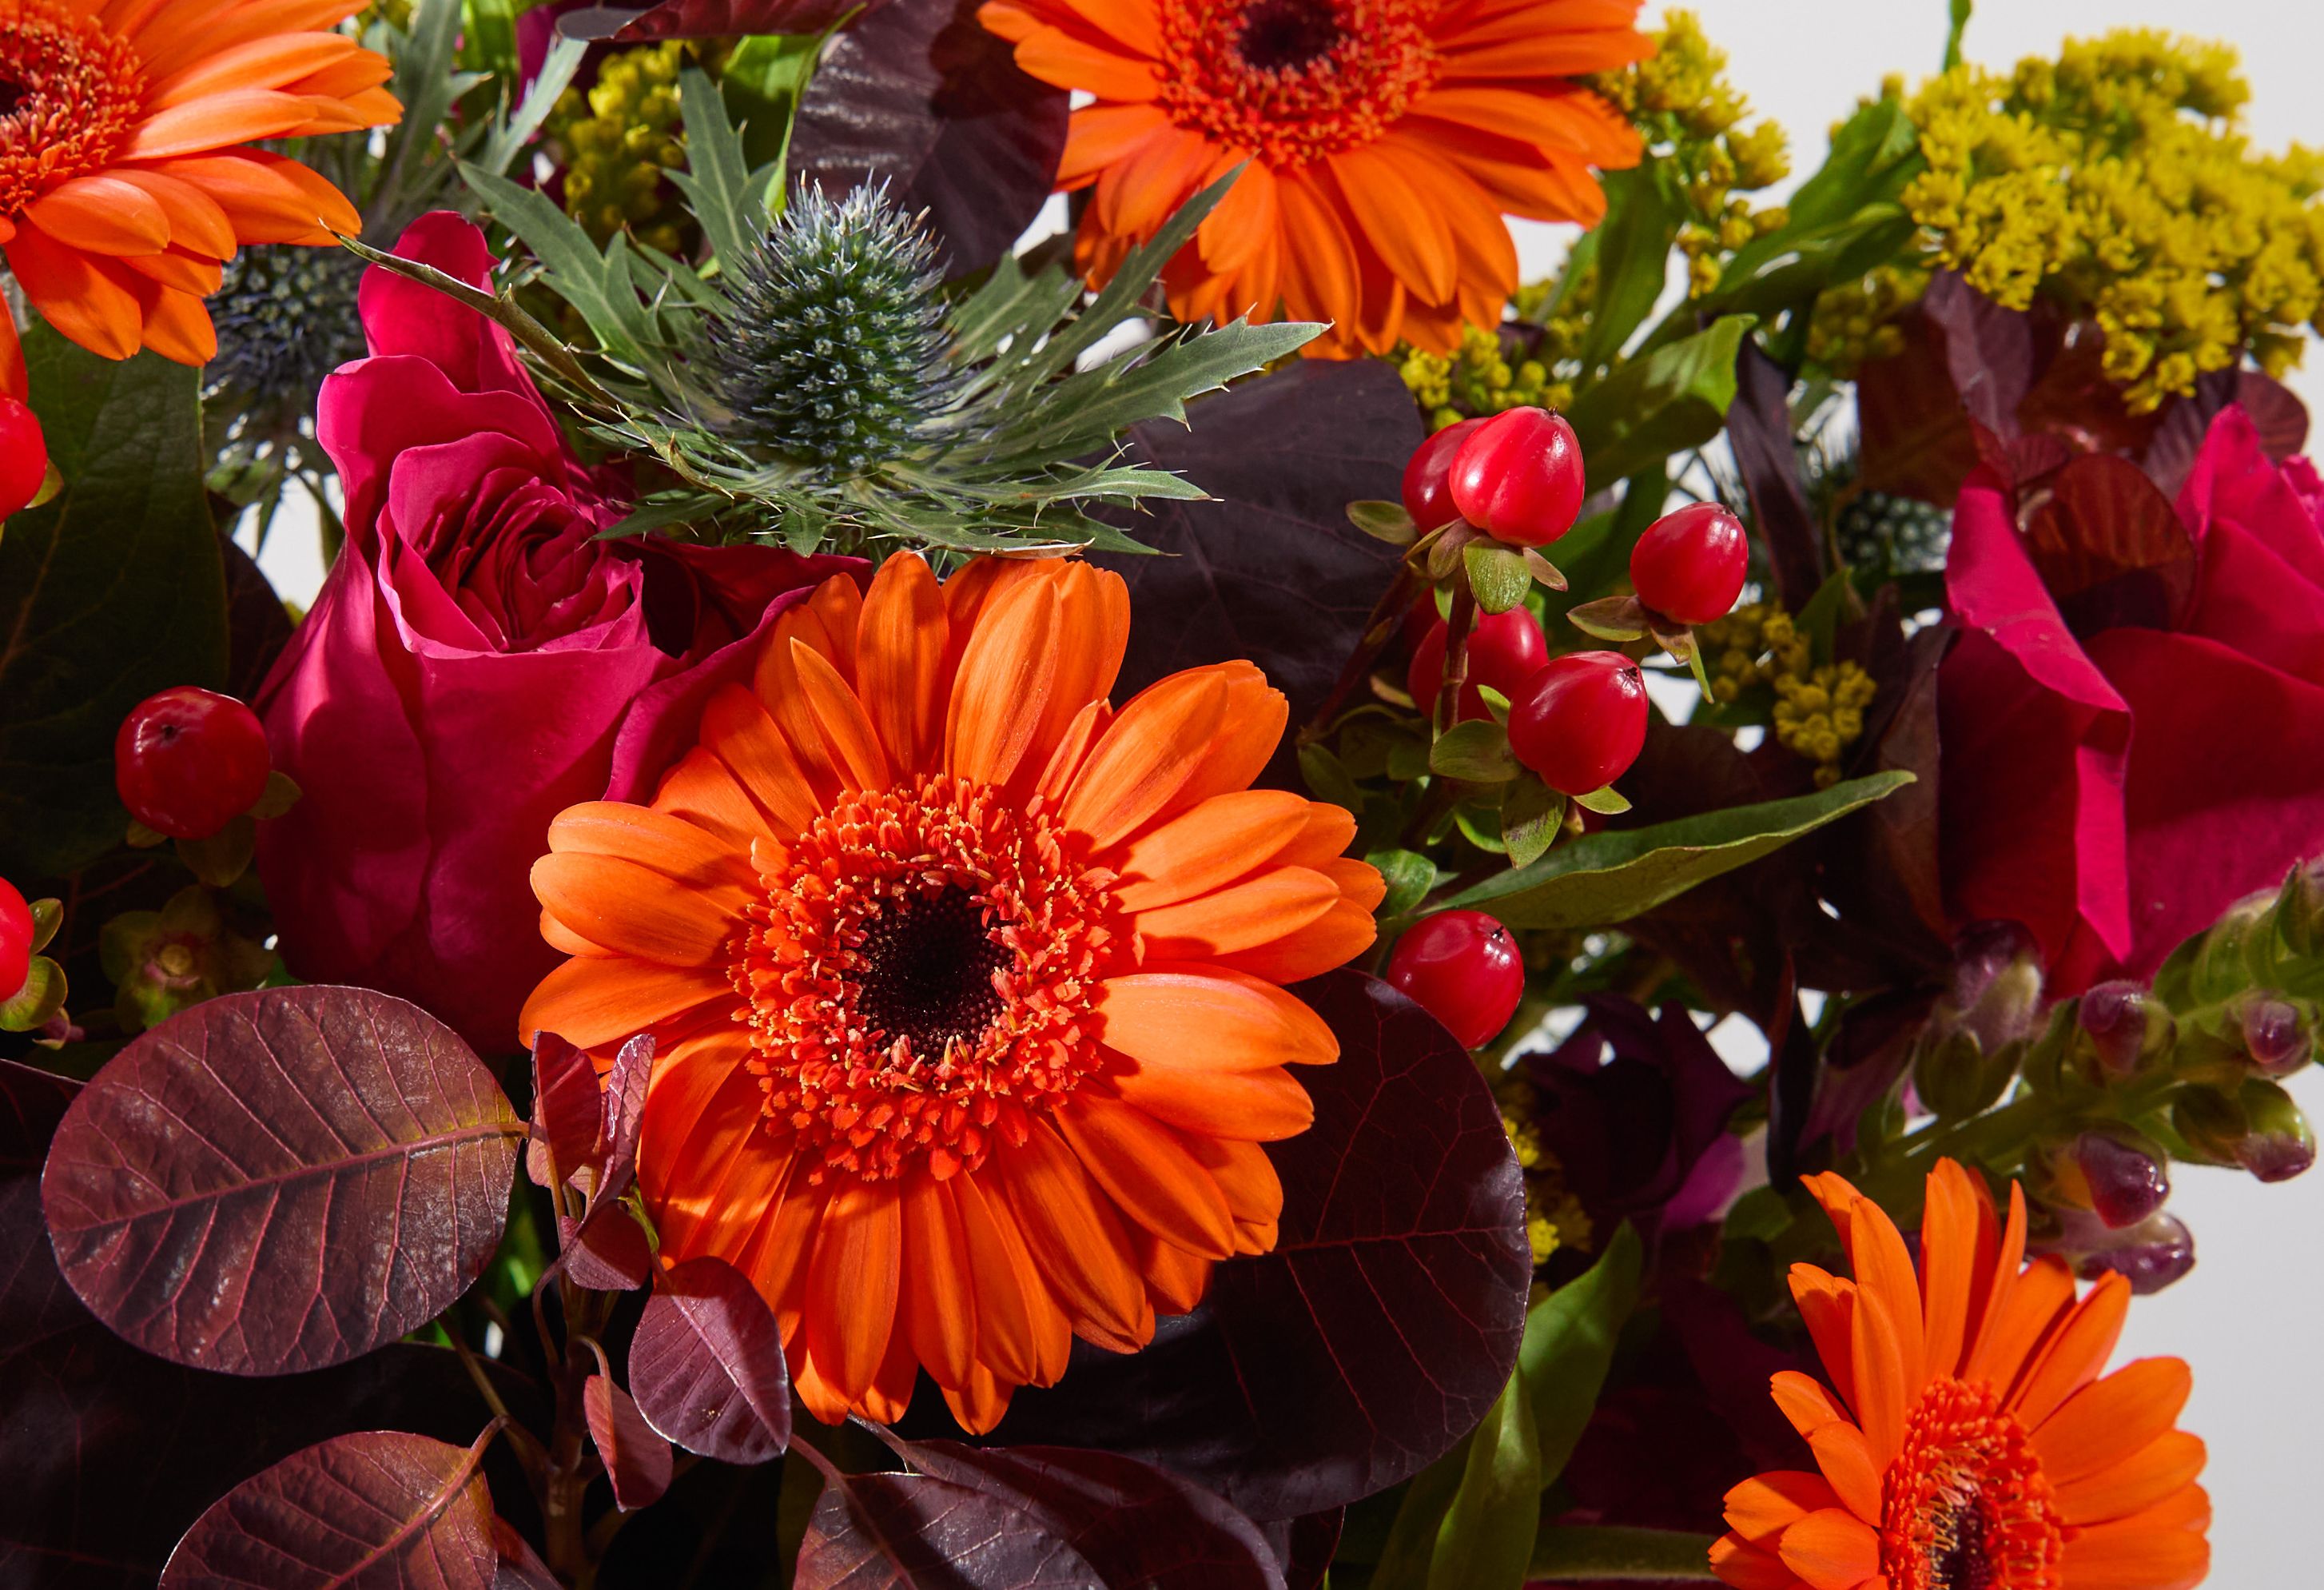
{"points": [[378, 1510], [707, 19], [568, 1108], [276, 1182], [707, 1364], [884, 1531], [637, 1459]]}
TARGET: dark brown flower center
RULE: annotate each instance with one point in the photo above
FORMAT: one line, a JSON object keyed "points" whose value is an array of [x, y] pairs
{"points": [[1965, 1505], [1281, 35], [926, 971]]}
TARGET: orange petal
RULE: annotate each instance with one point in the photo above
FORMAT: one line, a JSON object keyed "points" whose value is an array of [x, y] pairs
{"points": [[1764, 1506], [979, 1403], [1883, 1396], [1147, 1169], [1333, 939], [705, 1168], [2021, 1320], [852, 1282], [102, 214], [1201, 1019], [87, 303], [1015, 1319], [1956, 1259], [1246, 1177], [735, 725], [1104, 135], [1407, 229], [2149, 1475], [838, 606], [1883, 1267], [1176, 1280], [275, 61], [2076, 1352], [1248, 735], [191, 274], [1088, 727], [1214, 844], [899, 648], [176, 324], [219, 121], [1147, 756], [2130, 1556], [1806, 1404], [1057, 57], [848, 736], [1080, 1247], [703, 790], [590, 1003], [1846, 1458], [1260, 1106], [634, 909], [1831, 1549], [1243, 222], [2106, 1418], [1747, 1567], [1274, 904], [1325, 832], [939, 1307], [1093, 636], [668, 844], [1320, 278], [1827, 1307], [1002, 690]]}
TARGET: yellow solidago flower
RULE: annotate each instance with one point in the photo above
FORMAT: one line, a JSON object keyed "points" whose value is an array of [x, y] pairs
{"points": [[619, 138], [2116, 179], [1819, 711]]}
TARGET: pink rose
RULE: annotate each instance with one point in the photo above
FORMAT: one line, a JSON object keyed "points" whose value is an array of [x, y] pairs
{"points": [[477, 660], [2133, 719]]}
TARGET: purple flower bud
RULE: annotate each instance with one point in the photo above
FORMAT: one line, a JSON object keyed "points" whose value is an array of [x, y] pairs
{"points": [[2300, 916], [2151, 1255], [2127, 1177], [2278, 1034], [1996, 989], [2277, 1144], [2123, 1027]]}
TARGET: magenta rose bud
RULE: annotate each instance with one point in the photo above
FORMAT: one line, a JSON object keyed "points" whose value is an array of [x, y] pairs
{"points": [[477, 660]]}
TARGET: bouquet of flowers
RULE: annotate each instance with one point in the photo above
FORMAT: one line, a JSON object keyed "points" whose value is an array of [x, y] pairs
{"points": [[1208, 897]]}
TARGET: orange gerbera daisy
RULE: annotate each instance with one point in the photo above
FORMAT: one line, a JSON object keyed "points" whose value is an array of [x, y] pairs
{"points": [[1972, 1444], [123, 181], [966, 987], [1386, 140]]}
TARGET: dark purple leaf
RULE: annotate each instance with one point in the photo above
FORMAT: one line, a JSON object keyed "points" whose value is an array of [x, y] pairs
{"points": [[921, 97], [111, 1453], [2110, 545], [1915, 437], [1994, 354], [883, 1531], [1138, 1525], [378, 1510], [637, 1459], [1306, 1546], [2278, 412], [1385, 1322], [604, 1248], [281, 1180], [624, 1108], [520, 1567], [707, 1364], [568, 1108], [258, 626], [707, 19], [1759, 430], [1272, 571]]}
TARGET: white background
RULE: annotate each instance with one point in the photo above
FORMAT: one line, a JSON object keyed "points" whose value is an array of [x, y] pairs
{"points": [[2249, 1317]]}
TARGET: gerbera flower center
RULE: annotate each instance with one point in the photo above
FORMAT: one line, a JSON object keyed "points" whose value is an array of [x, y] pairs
{"points": [[917, 978], [1295, 80], [70, 91], [1965, 1505]]}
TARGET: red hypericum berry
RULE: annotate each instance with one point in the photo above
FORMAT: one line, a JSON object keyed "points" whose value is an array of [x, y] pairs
{"points": [[1580, 721], [1427, 478], [1463, 968], [188, 761], [24, 455], [1519, 477], [1505, 651], [16, 935], [1689, 565]]}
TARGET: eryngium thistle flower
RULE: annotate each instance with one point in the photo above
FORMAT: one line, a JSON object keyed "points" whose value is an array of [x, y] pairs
{"points": [[285, 318], [834, 351]]}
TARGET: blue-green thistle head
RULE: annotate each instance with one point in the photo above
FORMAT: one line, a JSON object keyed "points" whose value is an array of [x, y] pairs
{"points": [[286, 318], [834, 352]]}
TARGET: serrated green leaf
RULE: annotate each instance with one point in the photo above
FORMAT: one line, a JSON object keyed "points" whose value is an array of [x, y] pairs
{"points": [[1087, 409], [1476, 752], [570, 262], [1569, 1345], [1609, 877], [111, 590], [508, 138], [1660, 402], [1498, 575], [716, 180], [1531, 812], [1409, 876]]}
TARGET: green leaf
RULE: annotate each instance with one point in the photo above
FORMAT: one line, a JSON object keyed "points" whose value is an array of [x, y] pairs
{"points": [[110, 591], [508, 138], [1498, 575], [488, 37], [1960, 14], [1384, 522], [1087, 409], [1643, 211], [1876, 152], [1476, 752], [1659, 403], [1605, 802], [1409, 877], [762, 82], [1611, 876], [717, 180], [1564, 1555], [1327, 779], [570, 262], [1531, 812], [1405, 1556], [1569, 1345], [1486, 1540]]}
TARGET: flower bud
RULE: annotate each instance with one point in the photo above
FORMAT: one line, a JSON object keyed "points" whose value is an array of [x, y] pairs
{"points": [[2300, 909], [2120, 1030], [2258, 1128], [1956, 1078], [1997, 990], [2151, 1255], [2279, 1032], [2114, 1171], [2237, 951]]}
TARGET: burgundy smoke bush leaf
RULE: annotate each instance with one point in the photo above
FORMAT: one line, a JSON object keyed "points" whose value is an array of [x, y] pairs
{"points": [[1994, 354], [110, 1453], [1271, 570], [637, 1459], [1306, 1545], [624, 1108], [2110, 548], [604, 1248], [380, 1510], [2276, 410], [280, 1180], [1385, 1322], [1137, 1525], [707, 19], [883, 1531], [567, 1107], [707, 1364], [519, 1567], [1759, 429], [1916, 439], [920, 97]]}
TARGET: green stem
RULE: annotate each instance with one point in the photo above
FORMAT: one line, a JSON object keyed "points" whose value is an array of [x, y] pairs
{"points": [[1567, 1555]]}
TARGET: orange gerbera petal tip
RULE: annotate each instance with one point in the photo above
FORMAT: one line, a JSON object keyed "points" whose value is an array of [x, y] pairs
{"points": [[1386, 141], [1969, 1439], [126, 175], [967, 986]]}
